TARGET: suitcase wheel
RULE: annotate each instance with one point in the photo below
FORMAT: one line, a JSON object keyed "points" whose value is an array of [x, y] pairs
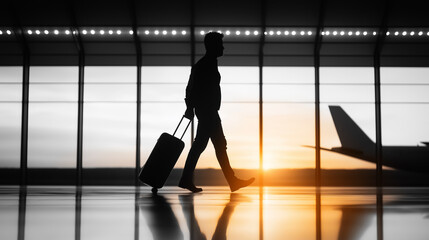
{"points": [[154, 190]]}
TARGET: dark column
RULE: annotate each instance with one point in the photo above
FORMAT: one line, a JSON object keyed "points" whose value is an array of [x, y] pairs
{"points": [[81, 80], [317, 117], [378, 143], [138, 120], [19, 32], [377, 56], [133, 14], [261, 99], [261, 118], [24, 117], [316, 53], [317, 46], [79, 178]]}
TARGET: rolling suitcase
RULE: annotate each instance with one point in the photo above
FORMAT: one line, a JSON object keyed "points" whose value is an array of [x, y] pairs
{"points": [[162, 159]]}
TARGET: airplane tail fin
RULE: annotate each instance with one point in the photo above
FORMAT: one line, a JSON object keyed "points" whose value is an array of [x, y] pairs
{"points": [[351, 135]]}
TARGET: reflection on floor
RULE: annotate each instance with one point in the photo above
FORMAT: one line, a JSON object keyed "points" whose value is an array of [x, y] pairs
{"points": [[253, 213]]}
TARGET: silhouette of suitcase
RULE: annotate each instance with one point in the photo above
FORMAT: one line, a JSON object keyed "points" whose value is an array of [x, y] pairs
{"points": [[162, 159]]}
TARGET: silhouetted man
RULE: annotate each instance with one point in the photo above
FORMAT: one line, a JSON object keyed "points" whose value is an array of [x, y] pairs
{"points": [[204, 96]]}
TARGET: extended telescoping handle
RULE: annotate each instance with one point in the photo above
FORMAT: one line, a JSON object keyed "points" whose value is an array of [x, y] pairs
{"points": [[185, 128]]}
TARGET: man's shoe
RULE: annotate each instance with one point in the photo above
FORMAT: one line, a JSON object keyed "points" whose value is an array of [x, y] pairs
{"points": [[190, 186], [238, 183]]}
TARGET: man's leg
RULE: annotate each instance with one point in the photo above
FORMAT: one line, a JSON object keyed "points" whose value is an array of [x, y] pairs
{"points": [[198, 146], [219, 142]]}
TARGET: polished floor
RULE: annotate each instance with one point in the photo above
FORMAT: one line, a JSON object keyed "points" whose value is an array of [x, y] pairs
{"points": [[128, 213]]}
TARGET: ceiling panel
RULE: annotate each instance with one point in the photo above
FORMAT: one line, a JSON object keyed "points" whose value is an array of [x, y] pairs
{"points": [[292, 13], [229, 13]]}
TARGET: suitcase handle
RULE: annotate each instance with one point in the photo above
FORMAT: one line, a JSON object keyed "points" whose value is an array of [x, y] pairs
{"points": [[185, 128]]}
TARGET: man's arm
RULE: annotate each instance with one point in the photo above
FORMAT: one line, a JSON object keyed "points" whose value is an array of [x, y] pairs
{"points": [[189, 99]]}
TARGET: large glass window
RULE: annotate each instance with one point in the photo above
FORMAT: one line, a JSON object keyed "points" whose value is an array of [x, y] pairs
{"points": [[109, 125], [347, 91], [163, 93], [288, 117], [52, 127], [10, 112], [405, 106]]}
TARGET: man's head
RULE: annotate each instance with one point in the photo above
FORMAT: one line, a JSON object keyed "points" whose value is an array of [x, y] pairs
{"points": [[214, 44]]}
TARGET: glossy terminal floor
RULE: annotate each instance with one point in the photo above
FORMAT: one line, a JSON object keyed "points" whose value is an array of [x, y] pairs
{"points": [[128, 213]]}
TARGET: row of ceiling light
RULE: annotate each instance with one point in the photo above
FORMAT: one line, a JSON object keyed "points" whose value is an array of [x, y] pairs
{"points": [[173, 32]]}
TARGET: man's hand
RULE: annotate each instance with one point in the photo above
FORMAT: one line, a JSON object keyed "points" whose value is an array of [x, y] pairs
{"points": [[189, 113]]}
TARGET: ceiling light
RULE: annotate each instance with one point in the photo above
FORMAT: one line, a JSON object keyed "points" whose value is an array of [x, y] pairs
{"points": [[146, 32], [183, 32], [118, 32], [342, 33], [293, 33], [164, 32], [131, 32], [46, 32], [1, 32], [374, 33], [365, 33], [302, 33], [227, 32], [255, 33], [310, 33], [30, 32], [237, 33], [387, 33], [110, 32], [396, 33], [350, 33], [37, 32], [174, 32], [102, 32], [156, 32], [279, 33], [202, 33], [420, 33], [327, 33], [412, 33], [271, 33], [92, 32], [357, 33], [247, 33], [286, 33], [8, 32], [335, 33], [84, 32], [404, 33]]}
